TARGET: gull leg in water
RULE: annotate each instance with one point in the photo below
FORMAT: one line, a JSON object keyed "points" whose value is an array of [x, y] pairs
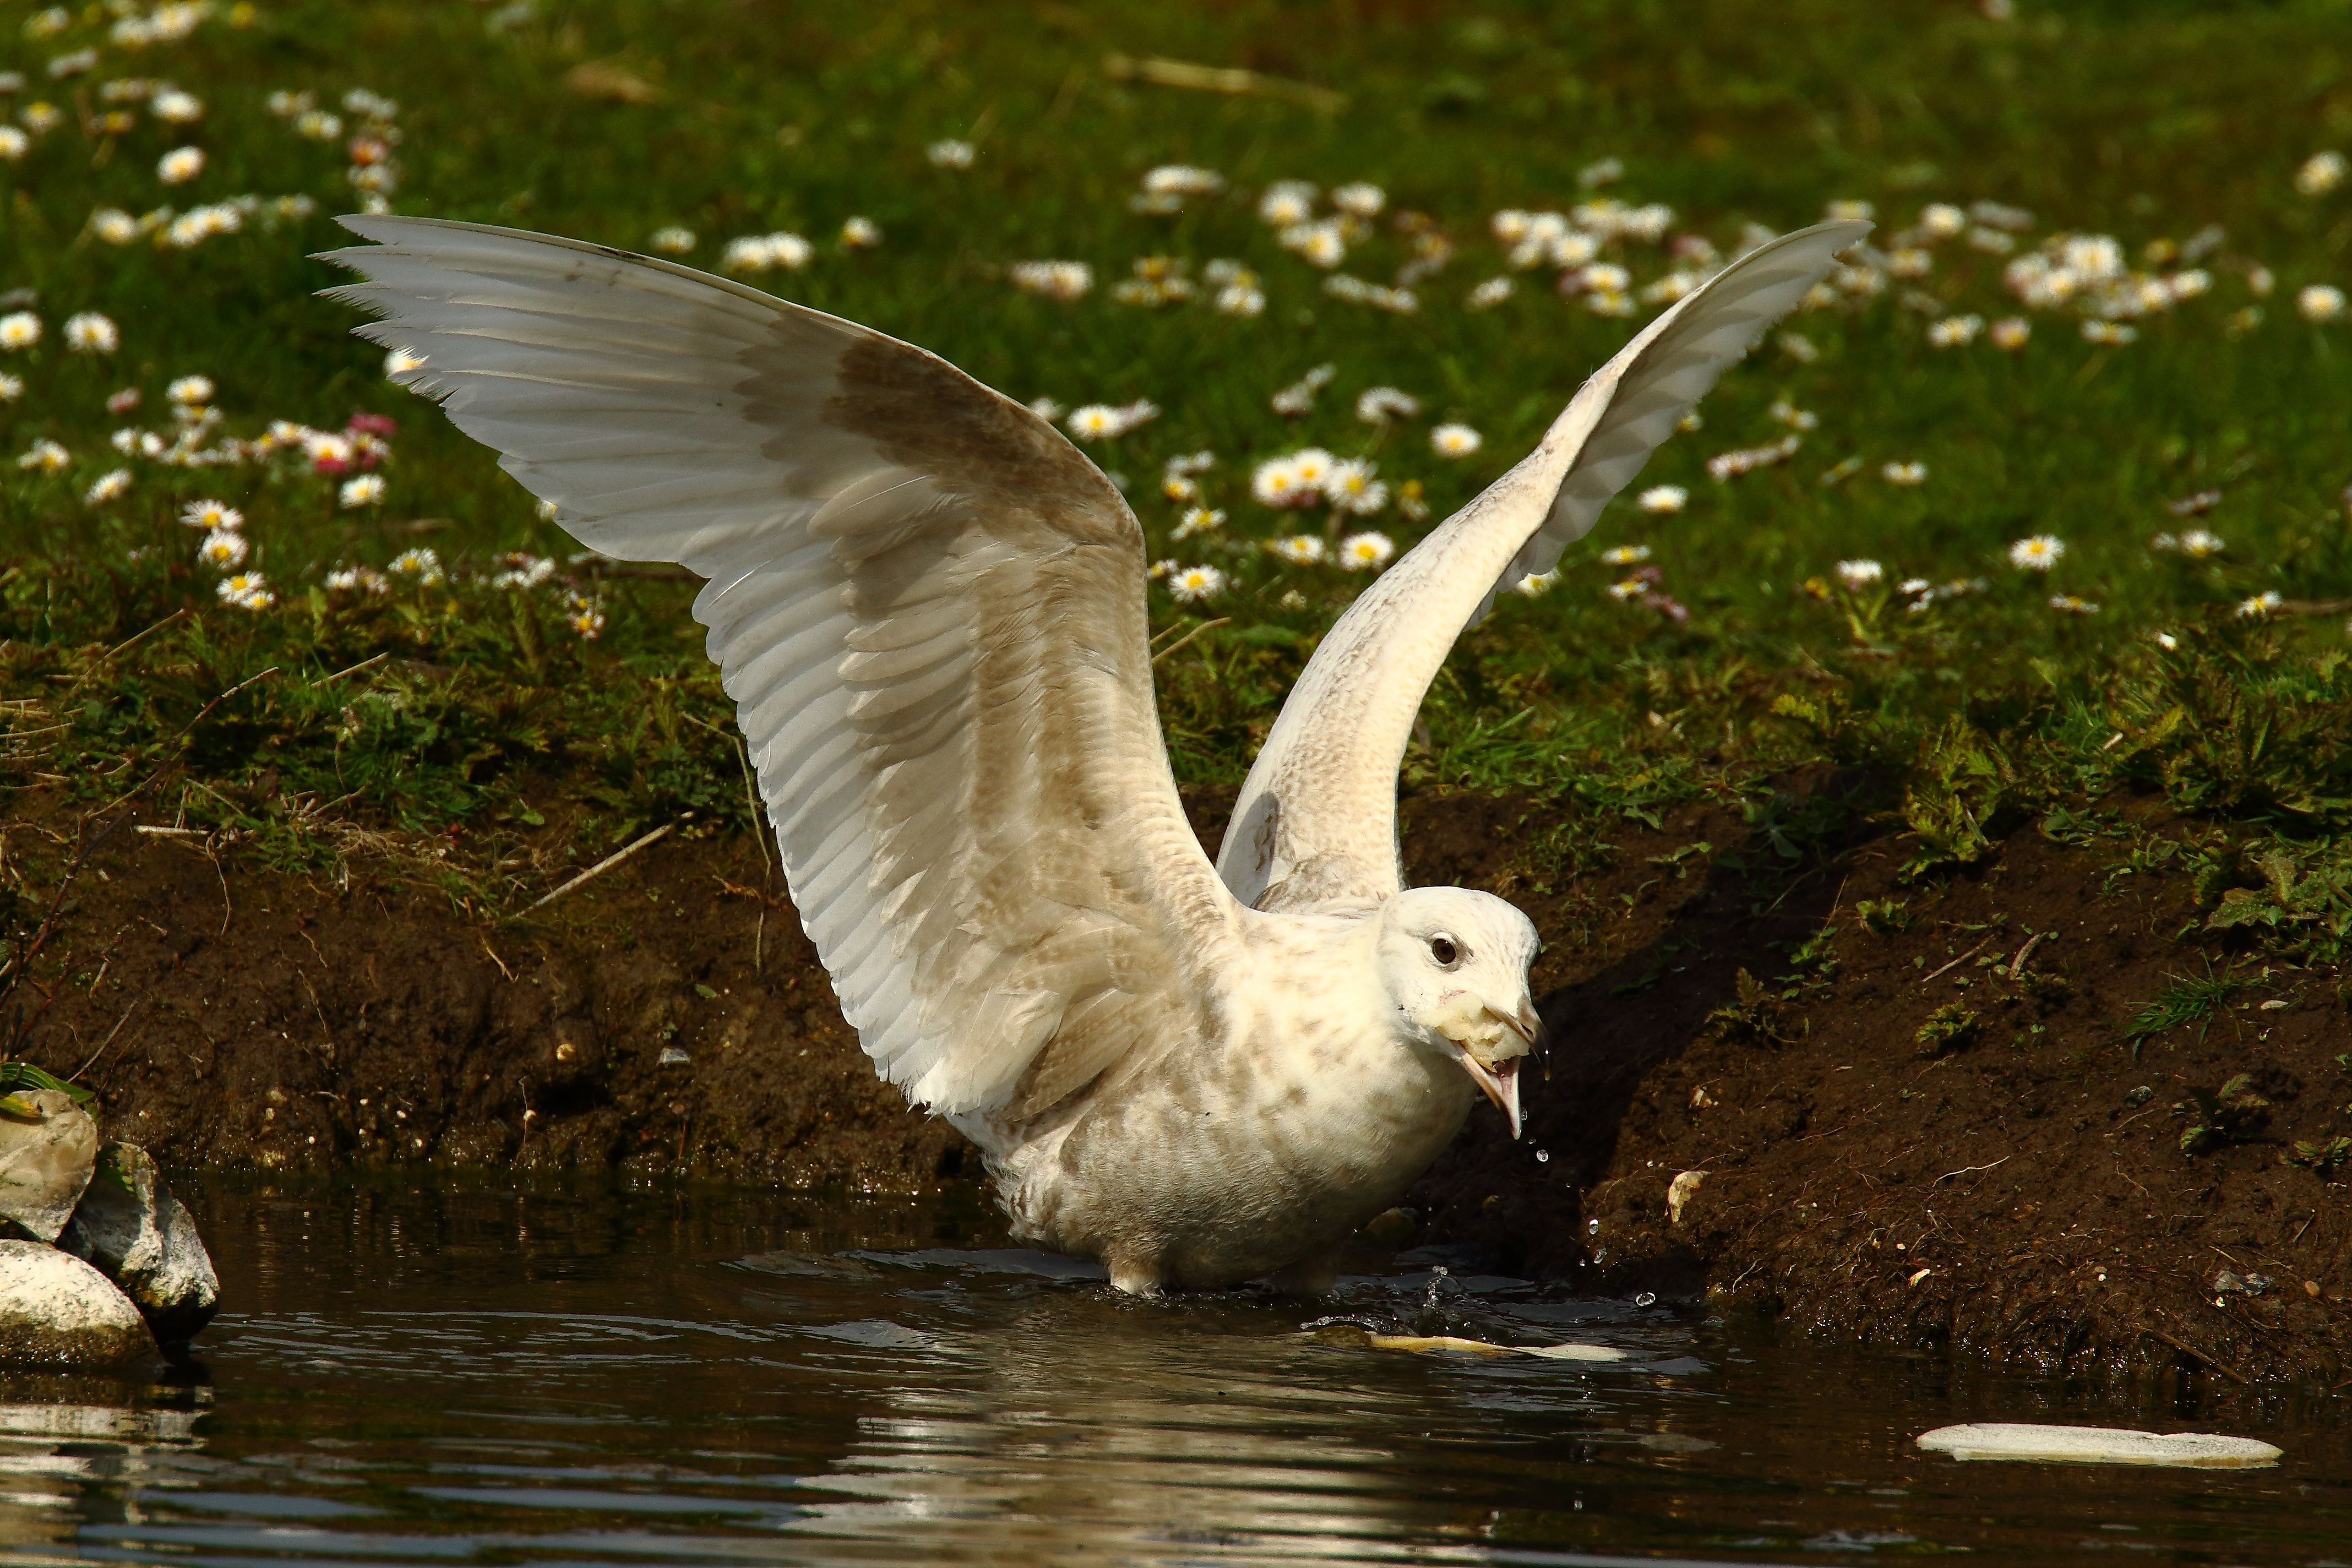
{"points": [[928, 609]]}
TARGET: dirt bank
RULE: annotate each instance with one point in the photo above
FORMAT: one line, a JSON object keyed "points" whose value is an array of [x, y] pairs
{"points": [[2003, 1186]]}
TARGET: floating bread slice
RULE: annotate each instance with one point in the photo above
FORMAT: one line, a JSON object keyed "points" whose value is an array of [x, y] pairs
{"points": [[1422, 1344], [2097, 1445]]}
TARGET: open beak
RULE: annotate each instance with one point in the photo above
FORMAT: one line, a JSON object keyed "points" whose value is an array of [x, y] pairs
{"points": [[1501, 1081]]}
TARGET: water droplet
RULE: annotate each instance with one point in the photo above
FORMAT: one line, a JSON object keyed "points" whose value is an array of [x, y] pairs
{"points": [[1647, 1298], [1592, 1228], [1543, 1156]]}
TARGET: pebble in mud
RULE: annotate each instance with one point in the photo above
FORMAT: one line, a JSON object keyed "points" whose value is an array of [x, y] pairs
{"points": [[138, 1235], [57, 1311], [48, 1146]]}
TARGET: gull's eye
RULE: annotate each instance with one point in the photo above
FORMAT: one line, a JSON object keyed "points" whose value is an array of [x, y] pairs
{"points": [[1445, 950]]}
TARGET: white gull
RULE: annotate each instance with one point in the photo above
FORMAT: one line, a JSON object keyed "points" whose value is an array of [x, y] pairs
{"points": [[928, 609]]}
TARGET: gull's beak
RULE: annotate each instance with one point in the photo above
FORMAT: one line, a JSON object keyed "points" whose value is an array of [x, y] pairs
{"points": [[1501, 1083]]}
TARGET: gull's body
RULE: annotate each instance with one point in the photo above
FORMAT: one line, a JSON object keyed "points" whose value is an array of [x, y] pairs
{"points": [[929, 610]]}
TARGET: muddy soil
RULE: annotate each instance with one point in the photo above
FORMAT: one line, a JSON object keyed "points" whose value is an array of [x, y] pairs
{"points": [[2017, 1187]]}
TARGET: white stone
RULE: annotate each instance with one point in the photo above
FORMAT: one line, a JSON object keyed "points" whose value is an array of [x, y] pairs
{"points": [[47, 1147], [132, 1230], [2097, 1445], [57, 1311]]}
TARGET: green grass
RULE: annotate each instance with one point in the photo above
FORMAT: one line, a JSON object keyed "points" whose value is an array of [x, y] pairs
{"points": [[487, 711]]}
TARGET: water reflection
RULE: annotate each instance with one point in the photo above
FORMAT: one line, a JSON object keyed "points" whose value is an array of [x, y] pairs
{"points": [[437, 1376]]}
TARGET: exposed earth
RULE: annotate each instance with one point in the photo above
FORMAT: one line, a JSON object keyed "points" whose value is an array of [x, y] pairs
{"points": [[2011, 1183]]}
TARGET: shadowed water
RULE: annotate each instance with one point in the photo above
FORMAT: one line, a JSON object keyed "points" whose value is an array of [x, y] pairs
{"points": [[443, 1376]]}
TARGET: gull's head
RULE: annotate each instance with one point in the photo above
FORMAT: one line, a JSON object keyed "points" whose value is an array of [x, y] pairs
{"points": [[1454, 964]]}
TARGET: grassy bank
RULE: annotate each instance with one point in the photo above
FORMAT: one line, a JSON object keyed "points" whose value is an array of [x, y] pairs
{"points": [[421, 674]]}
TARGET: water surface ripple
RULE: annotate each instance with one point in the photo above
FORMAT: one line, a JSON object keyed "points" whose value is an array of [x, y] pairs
{"points": [[459, 1375]]}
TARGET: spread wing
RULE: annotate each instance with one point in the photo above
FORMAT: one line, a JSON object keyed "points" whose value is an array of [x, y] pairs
{"points": [[1315, 821], [927, 607]]}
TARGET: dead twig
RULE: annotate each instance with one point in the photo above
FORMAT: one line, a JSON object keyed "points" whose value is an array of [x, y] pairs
{"points": [[1962, 959], [493, 955], [75, 1076], [751, 796], [1188, 636], [1216, 79], [354, 669], [1967, 1170], [600, 867]]}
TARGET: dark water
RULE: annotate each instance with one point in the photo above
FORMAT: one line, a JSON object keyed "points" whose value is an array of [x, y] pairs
{"points": [[456, 1377]]}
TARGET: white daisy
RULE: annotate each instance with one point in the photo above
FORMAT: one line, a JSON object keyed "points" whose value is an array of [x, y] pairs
{"points": [[422, 564], [109, 486], [1624, 555], [1191, 585], [246, 590], [1352, 487], [89, 332], [2320, 302], [1286, 202], [191, 390], [1663, 499], [1858, 575], [365, 490], [1298, 549], [1955, 331], [1379, 405], [222, 549], [1455, 440], [219, 516], [2321, 173], [180, 165], [1366, 552], [2038, 553], [19, 330], [1277, 482], [1200, 519], [1904, 473], [1490, 293], [45, 458], [673, 240], [2261, 603]]}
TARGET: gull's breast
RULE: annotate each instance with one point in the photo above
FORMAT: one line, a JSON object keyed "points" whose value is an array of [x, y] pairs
{"points": [[1227, 1161]]}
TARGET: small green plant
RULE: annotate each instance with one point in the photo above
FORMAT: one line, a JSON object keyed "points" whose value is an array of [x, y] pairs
{"points": [[2325, 1157], [2190, 999], [20, 1078], [2229, 1114], [1757, 1018], [1961, 786], [1951, 1028], [1885, 915]]}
